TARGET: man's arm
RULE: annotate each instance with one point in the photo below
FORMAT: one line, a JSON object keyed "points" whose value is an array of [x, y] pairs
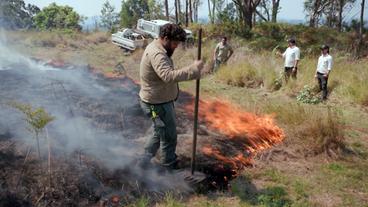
{"points": [[161, 64], [297, 58], [329, 66]]}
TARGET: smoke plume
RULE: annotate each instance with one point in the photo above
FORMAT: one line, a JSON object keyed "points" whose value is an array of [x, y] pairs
{"points": [[99, 117]]}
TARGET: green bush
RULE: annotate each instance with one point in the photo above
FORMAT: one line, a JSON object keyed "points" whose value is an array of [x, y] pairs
{"points": [[263, 43], [308, 96], [57, 17]]}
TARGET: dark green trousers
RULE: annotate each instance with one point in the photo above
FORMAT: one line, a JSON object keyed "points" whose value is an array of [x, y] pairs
{"points": [[164, 135], [322, 81]]}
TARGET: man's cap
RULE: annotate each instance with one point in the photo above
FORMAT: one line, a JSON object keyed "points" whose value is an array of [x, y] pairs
{"points": [[292, 40], [325, 47]]}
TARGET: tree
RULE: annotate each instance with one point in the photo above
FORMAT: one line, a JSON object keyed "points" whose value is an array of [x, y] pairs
{"points": [[167, 10], [227, 14], [361, 28], [155, 10], [275, 9], [329, 12], [58, 17], [131, 11], [246, 9], [209, 11], [196, 4], [15, 14], [190, 11], [342, 5], [315, 9], [109, 18], [176, 12], [186, 13]]}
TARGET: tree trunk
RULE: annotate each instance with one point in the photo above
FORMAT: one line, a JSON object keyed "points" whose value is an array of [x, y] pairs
{"points": [[179, 11], [213, 11], [275, 9], [176, 12], [186, 13], [195, 10], [313, 17], [254, 19], [341, 9], [167, 10], [209, 10], [246, 10], [190, 12], [361, 30], [361, 22]]}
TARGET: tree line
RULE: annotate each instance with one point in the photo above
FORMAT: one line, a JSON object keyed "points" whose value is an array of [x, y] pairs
{"points": [[15, 14]]}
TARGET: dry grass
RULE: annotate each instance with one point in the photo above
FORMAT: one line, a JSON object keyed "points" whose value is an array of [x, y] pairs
{"points": [[314, 129]]}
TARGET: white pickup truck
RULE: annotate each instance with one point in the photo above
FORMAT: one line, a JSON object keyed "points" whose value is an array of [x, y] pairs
{"points": [[129, 39], [153, 28]]}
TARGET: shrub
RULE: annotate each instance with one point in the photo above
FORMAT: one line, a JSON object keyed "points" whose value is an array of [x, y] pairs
{"points": [[36, 118], [308, 96], [57, 17]]}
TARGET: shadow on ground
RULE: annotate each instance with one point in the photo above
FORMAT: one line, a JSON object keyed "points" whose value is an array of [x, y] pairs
{"points": [[273, 196]]}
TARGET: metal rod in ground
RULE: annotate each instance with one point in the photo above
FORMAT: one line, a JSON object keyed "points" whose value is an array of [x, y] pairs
{"points": [[196, 104]]}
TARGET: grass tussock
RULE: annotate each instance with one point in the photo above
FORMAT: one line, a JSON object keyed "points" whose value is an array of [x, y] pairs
{"points": [[315, 130], [242, 75], [325, 133]]}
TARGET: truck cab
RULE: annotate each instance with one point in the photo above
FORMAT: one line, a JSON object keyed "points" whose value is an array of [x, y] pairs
{"points": [[153, 28]]}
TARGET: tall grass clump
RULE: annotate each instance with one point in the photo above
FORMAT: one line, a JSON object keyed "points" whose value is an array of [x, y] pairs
{"points": [[325, 132], [317, 130], [353, 80], [240, 75], [320, 131], [252, 71]]}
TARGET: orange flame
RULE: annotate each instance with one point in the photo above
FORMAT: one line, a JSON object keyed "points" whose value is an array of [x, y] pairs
{"points": [[252, 133]]}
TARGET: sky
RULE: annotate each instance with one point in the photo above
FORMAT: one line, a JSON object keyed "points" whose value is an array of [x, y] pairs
{"points": [[290, 9]]}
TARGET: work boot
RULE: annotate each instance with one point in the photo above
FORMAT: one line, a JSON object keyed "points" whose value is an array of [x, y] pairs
{"points": [[144, 162]]}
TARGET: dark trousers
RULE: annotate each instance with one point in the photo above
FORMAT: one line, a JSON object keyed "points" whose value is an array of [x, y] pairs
{"points": [[289, 72], [322, 81], [164, 135]]}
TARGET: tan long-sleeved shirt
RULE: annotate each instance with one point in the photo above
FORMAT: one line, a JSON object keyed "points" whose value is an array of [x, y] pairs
{"points": [[159, 79]]}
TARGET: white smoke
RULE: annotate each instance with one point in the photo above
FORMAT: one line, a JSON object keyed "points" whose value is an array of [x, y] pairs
{"points": [[63, 93]]}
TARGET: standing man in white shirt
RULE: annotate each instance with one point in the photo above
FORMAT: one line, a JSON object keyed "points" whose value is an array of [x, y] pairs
{"points": [[292, 57], [324, 67]]}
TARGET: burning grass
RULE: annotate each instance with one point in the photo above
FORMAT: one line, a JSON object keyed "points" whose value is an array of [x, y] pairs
{"points": [[248, 133]]}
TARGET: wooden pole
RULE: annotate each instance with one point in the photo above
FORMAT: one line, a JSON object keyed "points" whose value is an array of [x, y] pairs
{"points": [[196, 105]]}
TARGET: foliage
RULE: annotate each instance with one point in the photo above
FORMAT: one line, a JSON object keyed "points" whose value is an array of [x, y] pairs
{"points": [[57, 17], [132, 10], [36, 118], [155, 9], [109, 18], [307, 96], [228, 14], [15, 14]]}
